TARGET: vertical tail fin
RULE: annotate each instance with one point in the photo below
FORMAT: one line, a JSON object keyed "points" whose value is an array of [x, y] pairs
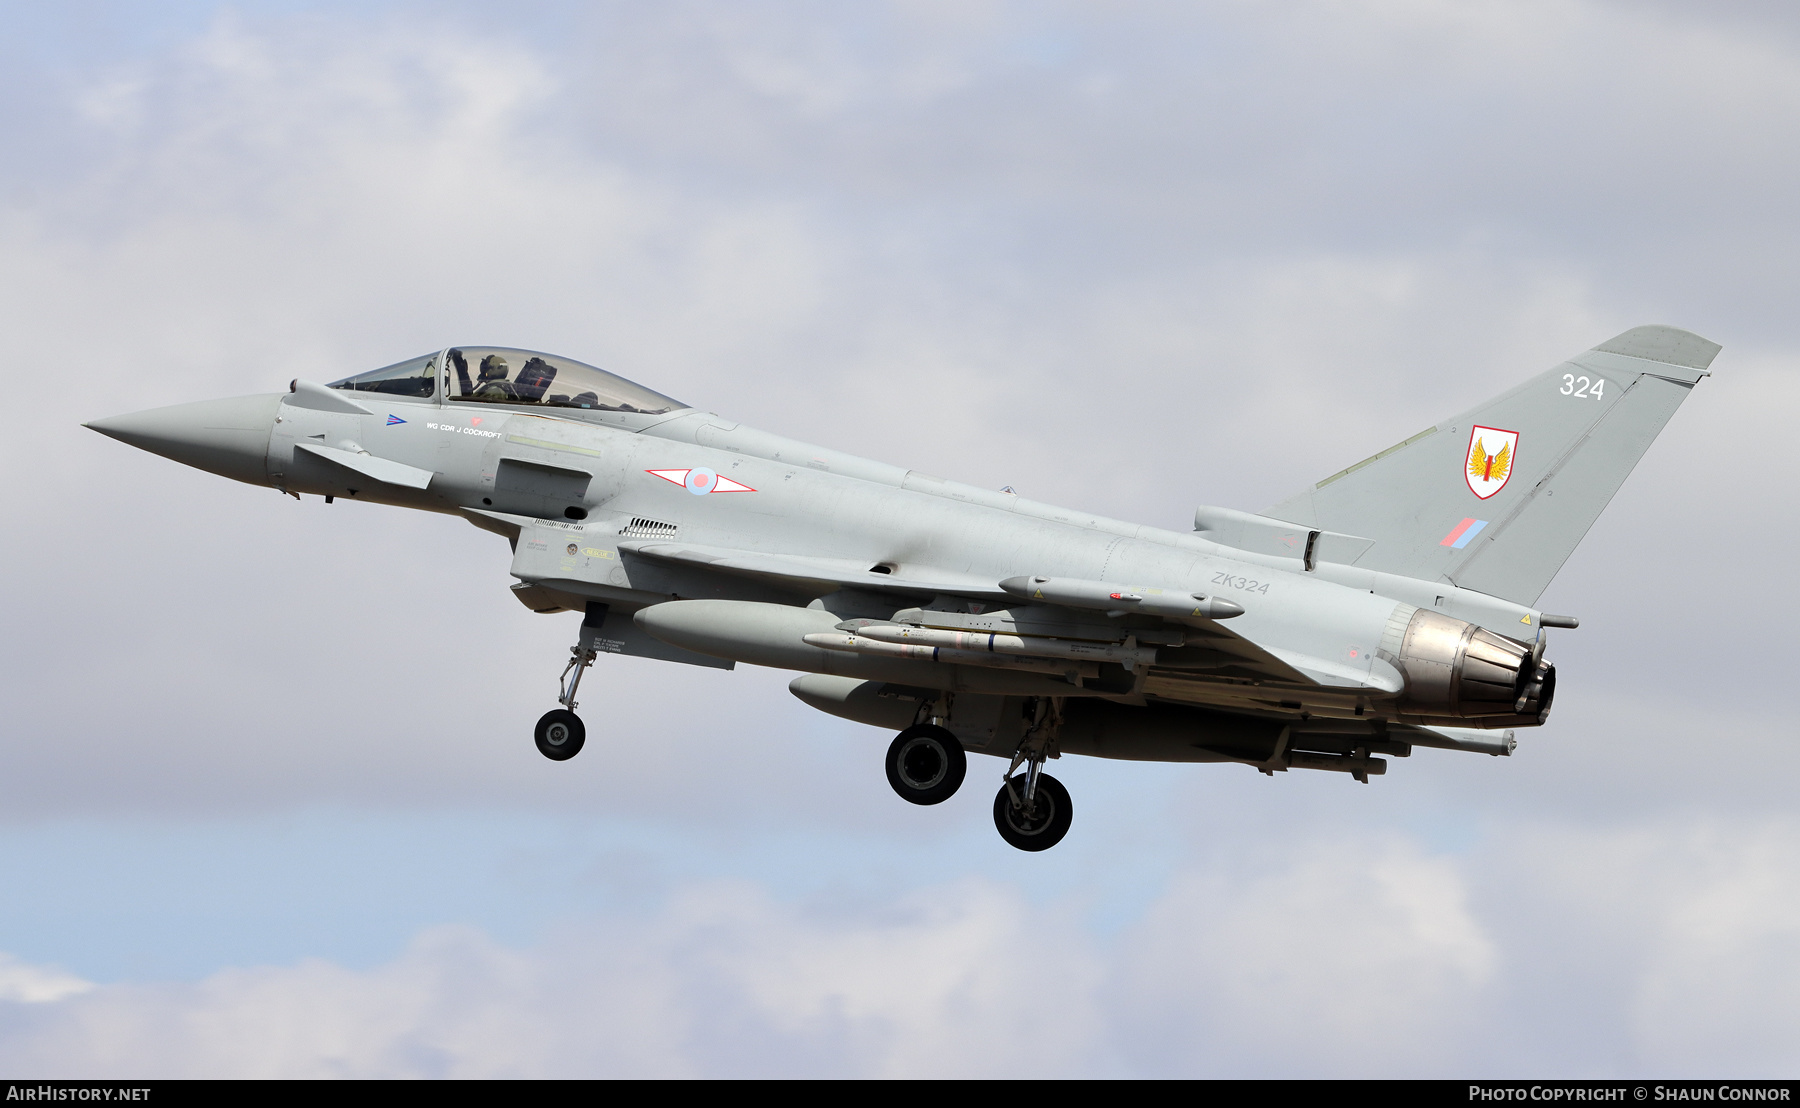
{"points": [[1497, 498]]}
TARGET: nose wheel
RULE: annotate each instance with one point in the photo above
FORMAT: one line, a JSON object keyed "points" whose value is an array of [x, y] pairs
{"points": [[560, 734]]}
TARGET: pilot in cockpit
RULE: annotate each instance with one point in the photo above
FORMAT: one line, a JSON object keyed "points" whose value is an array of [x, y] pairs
{"points": [[507, 376], [493, 380]]}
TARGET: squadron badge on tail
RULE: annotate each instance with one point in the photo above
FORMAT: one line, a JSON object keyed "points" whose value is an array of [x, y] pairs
{"points": [[1490, 462]]}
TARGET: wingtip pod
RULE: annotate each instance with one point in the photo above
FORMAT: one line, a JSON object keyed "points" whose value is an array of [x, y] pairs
{"points": [[1657, 342]]}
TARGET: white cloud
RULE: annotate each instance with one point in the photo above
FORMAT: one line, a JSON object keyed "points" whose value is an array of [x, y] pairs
{"points": [[24, 983], [1712, 911], [965, 979], [1355, 955]]}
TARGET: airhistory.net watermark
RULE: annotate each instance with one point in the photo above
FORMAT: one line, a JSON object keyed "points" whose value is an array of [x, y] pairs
{"points": [[42, 1093]]}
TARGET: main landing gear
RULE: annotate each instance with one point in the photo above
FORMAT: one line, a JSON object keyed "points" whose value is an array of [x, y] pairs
{"points": [[560, 733], [1032, 811], [926, 764]]}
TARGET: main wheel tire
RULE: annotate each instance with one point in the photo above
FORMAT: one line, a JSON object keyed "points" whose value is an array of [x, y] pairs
{"points": [[926, 764], [560, 735], [1048, 822]]}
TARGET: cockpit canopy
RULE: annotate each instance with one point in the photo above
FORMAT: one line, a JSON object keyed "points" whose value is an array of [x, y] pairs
{"points": [[503, 375]]}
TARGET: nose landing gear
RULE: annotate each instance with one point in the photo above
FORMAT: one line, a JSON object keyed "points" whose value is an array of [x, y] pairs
{"points": [[560, 732]]}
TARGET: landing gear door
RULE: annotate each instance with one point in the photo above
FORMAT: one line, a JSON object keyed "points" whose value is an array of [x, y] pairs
{"points": [[551, 551]]}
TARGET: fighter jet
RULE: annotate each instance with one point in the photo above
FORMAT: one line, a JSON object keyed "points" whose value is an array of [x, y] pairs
{"points": [[1389, 606]]}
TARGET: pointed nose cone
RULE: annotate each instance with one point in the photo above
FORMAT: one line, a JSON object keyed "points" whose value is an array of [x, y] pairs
{"points": [[227, 437]]}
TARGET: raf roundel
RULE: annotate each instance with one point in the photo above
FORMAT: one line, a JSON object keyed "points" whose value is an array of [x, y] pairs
{"points": [[699, 481]]}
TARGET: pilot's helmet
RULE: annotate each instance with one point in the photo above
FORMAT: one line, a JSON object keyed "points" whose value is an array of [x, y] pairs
{"points": [[493, 368]]}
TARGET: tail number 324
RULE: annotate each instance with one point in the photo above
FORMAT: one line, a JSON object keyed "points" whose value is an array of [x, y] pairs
{"points": [[1583, 388]]}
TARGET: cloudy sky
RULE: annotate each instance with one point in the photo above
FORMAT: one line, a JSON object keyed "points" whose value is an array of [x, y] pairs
{"points": [[268, 800]]}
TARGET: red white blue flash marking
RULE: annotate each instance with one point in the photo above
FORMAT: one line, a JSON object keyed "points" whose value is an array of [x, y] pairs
{"points": [[1460, 535]]}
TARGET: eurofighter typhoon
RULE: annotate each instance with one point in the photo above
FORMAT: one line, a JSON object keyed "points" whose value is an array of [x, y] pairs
{"points": [[1390, 606]]}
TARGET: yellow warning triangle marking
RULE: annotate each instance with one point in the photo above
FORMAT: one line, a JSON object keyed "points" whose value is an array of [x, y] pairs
{"points": [[1525, 620]]}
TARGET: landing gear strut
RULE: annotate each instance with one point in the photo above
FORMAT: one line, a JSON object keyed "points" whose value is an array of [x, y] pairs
{"points": [[560, 732], [1032, 810]]}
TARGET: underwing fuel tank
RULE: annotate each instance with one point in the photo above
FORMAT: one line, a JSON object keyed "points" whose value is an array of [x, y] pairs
{"points": [[1456, 670], [922, 652], [759, 634], [1002, 645], [782, 637]]}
